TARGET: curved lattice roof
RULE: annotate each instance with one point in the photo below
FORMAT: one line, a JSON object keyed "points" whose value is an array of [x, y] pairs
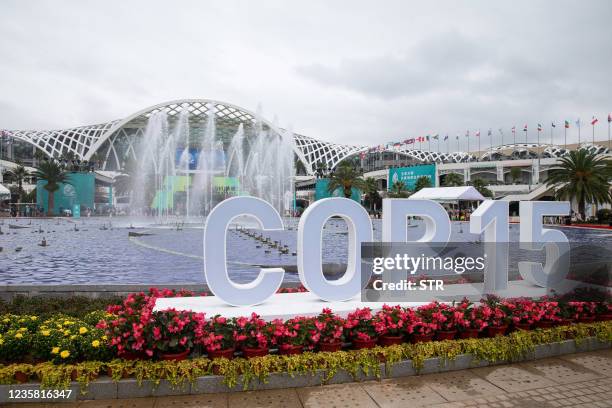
{"points": [[84, 141]]}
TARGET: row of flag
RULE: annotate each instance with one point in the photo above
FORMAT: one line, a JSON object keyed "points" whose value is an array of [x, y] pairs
{"points": [[436, 136]]}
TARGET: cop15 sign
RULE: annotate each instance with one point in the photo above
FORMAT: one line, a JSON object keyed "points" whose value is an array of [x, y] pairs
{"points": [[490, 219]]}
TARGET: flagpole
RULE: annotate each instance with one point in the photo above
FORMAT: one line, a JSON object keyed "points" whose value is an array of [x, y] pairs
{"points": [[478, 157], [551, 135], [457, 137], [438, 146], [579, 133], [609, 146], [429, 143], [565, 136], [468, 138], [538, 150], [593, 134]]}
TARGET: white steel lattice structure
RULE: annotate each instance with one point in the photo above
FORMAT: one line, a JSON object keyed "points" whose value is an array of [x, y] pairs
{"points": [[114, 142], [317, 152]]}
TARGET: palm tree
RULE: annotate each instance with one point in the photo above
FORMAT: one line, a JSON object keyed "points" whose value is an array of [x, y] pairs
{"points": [[398, 190], [346, 177], [584, 177], [453, 180], [54, 174], [371, 191], [515, 174], [422, 182], [480, 185], [18, 175]]}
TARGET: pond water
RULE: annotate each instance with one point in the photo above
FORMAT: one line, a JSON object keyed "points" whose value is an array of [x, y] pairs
{"points": [[99, 250]]}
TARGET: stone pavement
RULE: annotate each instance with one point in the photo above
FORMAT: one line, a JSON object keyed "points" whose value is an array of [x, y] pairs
{"points": [[574, 380]]}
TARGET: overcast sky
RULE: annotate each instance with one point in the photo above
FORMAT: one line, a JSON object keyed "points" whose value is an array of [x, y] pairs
{"points": [[359, 72]]}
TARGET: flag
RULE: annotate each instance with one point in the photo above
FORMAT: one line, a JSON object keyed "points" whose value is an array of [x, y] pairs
{"points": [[525, 128], [594, 121], [457, 137], [427, 137], [578, 122], [435, 136], [539, 127], [478, 133], [420, 139], [397, 144], [567, 124], [609, 117], [552, 124], [490, 132], [513, 129], [409, 141], [467, 133], [446, 137]]}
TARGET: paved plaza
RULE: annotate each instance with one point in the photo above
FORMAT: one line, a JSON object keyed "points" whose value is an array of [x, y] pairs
{"points": [[574, 380]]}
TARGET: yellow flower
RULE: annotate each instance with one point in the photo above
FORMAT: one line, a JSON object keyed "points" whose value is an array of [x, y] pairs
{"points": [[73, 337], [18, 335], [22, 329], [67, 322], [55, 350], [104, 337], [1, 341], [45, 332], [7, 320], [95, 343], [83, 330], [33, 318], [65, 354], [66, 333]]}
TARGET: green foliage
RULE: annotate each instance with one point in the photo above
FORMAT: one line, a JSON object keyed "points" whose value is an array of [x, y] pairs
{"points": [[584, 177], [60, 339], [346, 177], [453, 180], [42, 306], [604, 215], [515, 174], [371, 192], [481, 186], [18, 175], [54, 174], [422, 182], [398, 190], [355, 362]]}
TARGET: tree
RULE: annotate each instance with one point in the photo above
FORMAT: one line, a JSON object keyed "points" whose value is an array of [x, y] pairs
{"points": [[480, 185], [54, 174], [422, 182], [346, 177], [371, 192], [515, 174], [583, 177], [398, 190], [453, 180], [18, 175]]}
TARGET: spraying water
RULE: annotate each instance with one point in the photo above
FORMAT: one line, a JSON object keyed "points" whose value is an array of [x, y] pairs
{"points": [[257, 161]]}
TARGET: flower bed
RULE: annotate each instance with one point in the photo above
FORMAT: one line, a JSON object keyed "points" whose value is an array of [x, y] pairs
{"points": [[133, 331], [511, 347]]}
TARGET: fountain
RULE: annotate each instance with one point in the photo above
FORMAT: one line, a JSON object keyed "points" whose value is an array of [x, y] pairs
{"points": [[175, 157]]}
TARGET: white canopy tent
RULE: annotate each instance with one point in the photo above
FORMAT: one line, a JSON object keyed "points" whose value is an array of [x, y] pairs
{"points": [[467, 193], [4, 192]]}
